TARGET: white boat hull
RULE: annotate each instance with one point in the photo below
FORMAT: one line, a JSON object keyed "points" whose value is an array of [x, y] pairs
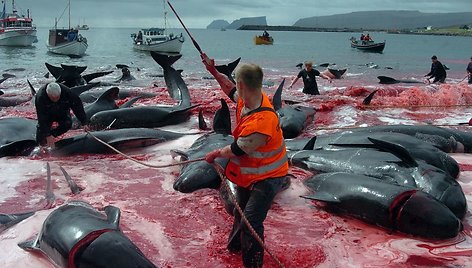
{"points": [[18, 38], [72, 48], [170, 46]]}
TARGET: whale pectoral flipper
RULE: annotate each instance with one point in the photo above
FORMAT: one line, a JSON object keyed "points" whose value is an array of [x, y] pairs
{"points": [[326, 197], [73, 186], [50, 198], [130, 102], [30, 245]]}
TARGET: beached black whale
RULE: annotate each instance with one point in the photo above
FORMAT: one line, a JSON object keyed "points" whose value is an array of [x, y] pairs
{"points": [[390, 80], [152, 116], [417, 148], [105, 102], [200, 175], [122, 139], [5, 76], [446, 139], [293, 119], [12, 100], [78, 235], [17, 136], [8, 220], [391, 206], [391, 163]]}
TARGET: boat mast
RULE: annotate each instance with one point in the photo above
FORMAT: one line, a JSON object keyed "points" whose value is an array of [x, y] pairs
{"points": [[165, 16], [69, 14], [13, 6]]}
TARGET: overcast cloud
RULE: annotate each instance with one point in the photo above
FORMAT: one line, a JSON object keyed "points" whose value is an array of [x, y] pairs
{"points": [[200, 13]]}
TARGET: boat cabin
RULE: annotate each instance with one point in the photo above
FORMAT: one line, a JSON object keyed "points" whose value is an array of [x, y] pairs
{"points": [[14, 21], [151, 36], [59, 36]]}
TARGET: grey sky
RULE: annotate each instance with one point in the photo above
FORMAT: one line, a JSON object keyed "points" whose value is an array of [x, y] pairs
{"points": [[200, 13]]}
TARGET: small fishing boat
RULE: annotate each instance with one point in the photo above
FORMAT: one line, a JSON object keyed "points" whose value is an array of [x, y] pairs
{"points": [[16, 30], [67, 41], [368, 46], [262, 40], [82, 27], [156, 39]]}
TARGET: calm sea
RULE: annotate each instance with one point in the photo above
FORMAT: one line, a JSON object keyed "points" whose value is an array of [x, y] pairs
{"points": [[184, 230], [404, 55]]}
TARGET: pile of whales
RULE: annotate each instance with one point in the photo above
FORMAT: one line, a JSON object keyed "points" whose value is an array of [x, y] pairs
{"points": [[397, 177]]}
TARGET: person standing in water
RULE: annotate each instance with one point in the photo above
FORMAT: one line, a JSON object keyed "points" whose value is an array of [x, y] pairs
{"points": [[438, 71], [309, 79], [258, 162], [469, 70]]}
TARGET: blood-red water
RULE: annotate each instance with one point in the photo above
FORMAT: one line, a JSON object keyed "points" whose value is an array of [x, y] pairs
{"points": [[190, 230]]}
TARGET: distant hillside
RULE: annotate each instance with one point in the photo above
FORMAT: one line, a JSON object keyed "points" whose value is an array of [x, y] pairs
{"points": [[387, 20], [238, 23], [218, 24]]}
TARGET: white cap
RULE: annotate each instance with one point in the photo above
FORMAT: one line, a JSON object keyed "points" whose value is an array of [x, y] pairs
{"points": [[54, 91]]}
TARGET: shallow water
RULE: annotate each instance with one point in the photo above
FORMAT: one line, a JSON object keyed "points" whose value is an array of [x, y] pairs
{"points": [[190, 230]]}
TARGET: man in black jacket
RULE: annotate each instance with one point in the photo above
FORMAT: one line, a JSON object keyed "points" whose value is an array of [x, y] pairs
{"points": [[469, 70], [309, 79], [53, 104], [437, 71]]}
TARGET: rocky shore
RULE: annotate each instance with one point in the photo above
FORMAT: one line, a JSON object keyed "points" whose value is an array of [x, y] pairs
{"points": [[447, 32]]}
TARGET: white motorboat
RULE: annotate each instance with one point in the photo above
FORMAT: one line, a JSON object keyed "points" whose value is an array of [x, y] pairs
{"points": [[158, 39], [155, 39]]}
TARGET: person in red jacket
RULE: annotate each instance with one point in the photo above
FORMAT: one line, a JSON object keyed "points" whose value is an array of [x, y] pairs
{"points": [[257, 158]]}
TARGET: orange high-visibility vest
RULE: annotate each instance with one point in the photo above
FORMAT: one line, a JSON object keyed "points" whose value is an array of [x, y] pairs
{"points": [[269, 160]]}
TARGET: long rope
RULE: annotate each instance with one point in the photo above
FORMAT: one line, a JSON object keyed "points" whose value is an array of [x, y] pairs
{"points": [[464, 78], [219, 169], [140, 162]]}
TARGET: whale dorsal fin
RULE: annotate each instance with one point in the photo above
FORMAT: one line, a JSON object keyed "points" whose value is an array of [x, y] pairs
{"points": [[368, 99], [202, 125], [277, 98], [395, 149], [310, 145], [113, 215]]}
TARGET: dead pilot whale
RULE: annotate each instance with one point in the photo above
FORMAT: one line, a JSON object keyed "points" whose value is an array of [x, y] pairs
{"points": [[78, 235], [391, 206], [152, 116], [293, 119]]}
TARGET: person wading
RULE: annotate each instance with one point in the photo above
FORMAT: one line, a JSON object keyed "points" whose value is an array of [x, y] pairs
{"points": [[438, 72], [309, 79], [257, 159]]}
